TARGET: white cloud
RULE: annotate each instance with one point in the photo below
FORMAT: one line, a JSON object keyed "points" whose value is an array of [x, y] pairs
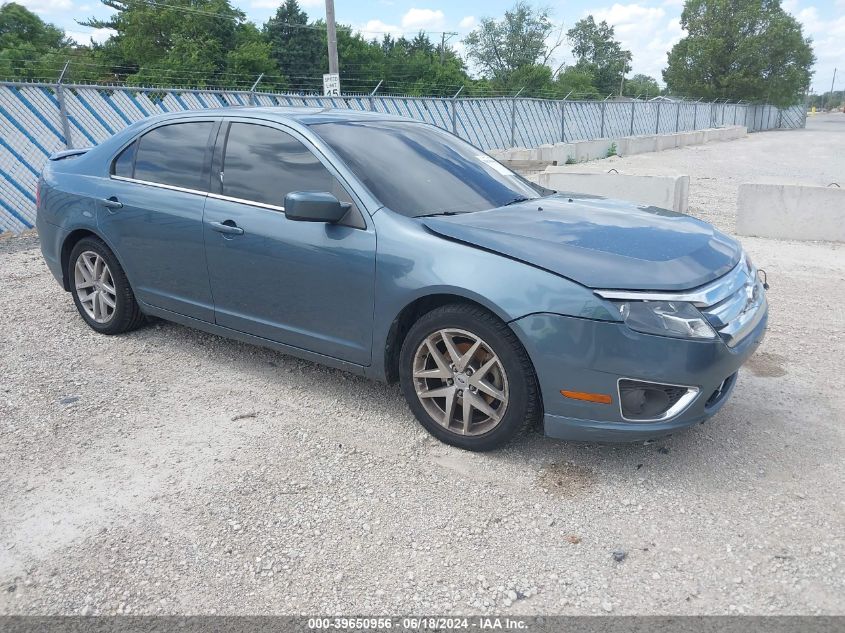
{"points": [[469, 21], [645, 31], [376, 28], [828, 42], [85, 37], [416, 19]]}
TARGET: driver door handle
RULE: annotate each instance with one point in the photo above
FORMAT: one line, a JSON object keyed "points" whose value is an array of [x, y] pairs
{"points": [[227, 228]]}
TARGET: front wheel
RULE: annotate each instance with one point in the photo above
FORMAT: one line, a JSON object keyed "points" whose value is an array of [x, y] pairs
{"points": [[467, 378]]}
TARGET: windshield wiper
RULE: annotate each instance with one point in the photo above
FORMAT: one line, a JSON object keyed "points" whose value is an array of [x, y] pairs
{"points": [[516, 200], [436, 213]]}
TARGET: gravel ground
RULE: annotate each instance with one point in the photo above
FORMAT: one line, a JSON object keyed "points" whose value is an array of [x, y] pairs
{"points": [[171, 471]]}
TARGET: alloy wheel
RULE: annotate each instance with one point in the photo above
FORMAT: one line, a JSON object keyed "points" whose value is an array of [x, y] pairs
{"points": [[95, 286], [460, 382]]}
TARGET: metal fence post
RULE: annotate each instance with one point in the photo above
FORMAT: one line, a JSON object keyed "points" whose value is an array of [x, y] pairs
{"points": [[252, 90], [513, 117], [657, 124], [60, 97], [563, 121], [603, 107], [695, 116], [633, 107], [678, 117], [454, 110]]}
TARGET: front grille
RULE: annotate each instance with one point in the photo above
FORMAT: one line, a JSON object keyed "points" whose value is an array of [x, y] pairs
{"points": [[735, 316]]}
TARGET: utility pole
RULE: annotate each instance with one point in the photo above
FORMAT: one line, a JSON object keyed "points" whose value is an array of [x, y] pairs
{"points": [[443, 40], [832, 81], [332, 37]]}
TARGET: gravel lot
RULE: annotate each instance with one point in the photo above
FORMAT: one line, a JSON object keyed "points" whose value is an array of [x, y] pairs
{"points": [[171, 471]]}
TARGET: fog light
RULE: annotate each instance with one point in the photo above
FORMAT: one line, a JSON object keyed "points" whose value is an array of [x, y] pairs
{"points": [[651, 402]]}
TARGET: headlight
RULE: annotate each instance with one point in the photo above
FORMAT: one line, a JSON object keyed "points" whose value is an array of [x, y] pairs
{"points": [[665, 318]]}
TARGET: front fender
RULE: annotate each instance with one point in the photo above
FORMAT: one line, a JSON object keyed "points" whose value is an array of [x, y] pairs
{"points": [[413, 263]]}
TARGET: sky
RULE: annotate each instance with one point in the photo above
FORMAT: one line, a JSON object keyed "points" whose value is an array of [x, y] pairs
{"points": [[648, 28]]}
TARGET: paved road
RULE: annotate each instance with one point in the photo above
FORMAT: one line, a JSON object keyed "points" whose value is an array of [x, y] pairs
{"points": [[170, 471]]}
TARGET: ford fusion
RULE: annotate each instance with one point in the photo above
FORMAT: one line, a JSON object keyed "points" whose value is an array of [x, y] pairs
{"points": [[395, 250]]}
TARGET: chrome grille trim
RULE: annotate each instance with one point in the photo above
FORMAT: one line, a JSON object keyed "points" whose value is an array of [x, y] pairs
{"points": [[740, 327], [702, 297]]}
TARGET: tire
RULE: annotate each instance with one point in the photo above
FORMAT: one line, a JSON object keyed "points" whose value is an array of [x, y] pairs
{"points": [[508, 385], [125, 315]]}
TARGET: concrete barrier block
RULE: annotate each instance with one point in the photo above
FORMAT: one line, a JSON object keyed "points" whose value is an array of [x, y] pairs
{"points": [[561, 152], [521, 153], [544, 152], [665, 192], [712, 135], [631, 145], [665, 141], [790, 211], [591, 150], [736, 131]]}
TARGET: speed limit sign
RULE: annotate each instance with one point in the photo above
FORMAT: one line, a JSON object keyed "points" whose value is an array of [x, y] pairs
{"points": [[331, 85]]}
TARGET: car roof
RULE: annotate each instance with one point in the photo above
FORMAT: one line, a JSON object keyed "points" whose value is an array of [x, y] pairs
{"points": [[298, 114]]}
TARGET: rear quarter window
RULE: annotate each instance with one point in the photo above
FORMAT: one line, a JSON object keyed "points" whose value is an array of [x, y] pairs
{"points": [[124, 164]]}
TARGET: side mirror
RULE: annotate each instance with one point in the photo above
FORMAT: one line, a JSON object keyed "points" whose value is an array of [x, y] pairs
{"points": [[313, 206]]}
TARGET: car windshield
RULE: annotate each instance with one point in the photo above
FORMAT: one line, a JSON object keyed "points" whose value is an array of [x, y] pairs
{"points": [[417, 169]]}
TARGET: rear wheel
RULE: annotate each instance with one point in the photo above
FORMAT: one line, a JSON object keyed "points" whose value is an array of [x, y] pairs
{"points": [[100, 289], [467, 378]]}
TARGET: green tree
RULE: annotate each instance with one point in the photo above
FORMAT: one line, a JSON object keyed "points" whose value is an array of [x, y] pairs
{"points": [[738, 49], [504, 50], [414, 67], [29, 47], [183, 42], [641, 85], [252, 57], [575, 82], [297, 47], [597, 53]]}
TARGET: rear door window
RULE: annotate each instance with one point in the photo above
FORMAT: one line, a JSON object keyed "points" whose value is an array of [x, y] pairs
{"points": [[174, 155], [263, 164]]}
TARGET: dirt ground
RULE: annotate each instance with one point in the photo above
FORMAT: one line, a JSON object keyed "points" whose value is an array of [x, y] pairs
{"points": [[171, 471]]}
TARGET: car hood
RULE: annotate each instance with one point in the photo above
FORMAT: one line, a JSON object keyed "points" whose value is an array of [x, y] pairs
{"points": [[598, 242]]}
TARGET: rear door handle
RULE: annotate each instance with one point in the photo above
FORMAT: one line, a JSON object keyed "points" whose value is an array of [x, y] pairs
{"points": [[112, 203], [227, 228]]}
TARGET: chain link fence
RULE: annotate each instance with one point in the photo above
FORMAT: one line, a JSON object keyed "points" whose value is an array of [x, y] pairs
{"points": [[37, 119]]}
